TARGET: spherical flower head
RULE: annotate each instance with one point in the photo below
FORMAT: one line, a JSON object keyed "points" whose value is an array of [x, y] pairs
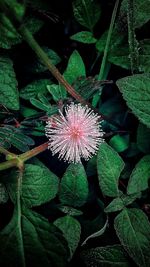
{"points": [[76, 135]]}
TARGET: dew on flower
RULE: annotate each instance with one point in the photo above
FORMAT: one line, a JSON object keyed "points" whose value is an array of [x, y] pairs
{"points": [[76, 135]]}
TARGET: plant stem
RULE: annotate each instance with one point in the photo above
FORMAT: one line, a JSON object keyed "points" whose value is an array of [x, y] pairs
{"points": [[18, 160], [102, 69], [28, 37], [19, 214], [47, 62], [8, 164], [33, 152]]}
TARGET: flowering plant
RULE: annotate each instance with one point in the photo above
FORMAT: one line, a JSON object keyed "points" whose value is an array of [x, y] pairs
{"points": [[74, 133]]}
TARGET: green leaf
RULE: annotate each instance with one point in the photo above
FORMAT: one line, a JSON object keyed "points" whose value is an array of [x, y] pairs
{"points": [[58, 92], [44, 105], [133, 230], [38, 104], [10, 135], [44, 99], [119, 51], [119, 55], [75, 67], [87, 12], [8, 33], [30, 240], [9, 95], [84, 37], [119, 143], [140, 175], [136, 92], [109, 167], [141, 12], [117, 38], [120, 202], [31, 90], [71, 229], [27, 112], [127, 200], [39, 185], [74, 186], [143, 138], [33, 125], [108, 256], [116, 205], [21, 141]]}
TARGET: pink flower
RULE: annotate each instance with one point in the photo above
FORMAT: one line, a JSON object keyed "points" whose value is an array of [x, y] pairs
{"points": [[76, 135]]}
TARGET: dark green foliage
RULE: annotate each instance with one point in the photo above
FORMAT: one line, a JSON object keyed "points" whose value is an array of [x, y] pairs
{"points": [[84, 37], [31, 241], [94, 213], [133, 230], [87, 13], [135, 90]]}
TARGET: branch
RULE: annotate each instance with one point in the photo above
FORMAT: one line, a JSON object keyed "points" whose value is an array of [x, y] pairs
{"points": [[18, 160]]}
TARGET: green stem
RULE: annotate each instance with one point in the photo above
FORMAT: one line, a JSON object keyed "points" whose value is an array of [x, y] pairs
{"points": [[102, 69], [8, 164]]}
